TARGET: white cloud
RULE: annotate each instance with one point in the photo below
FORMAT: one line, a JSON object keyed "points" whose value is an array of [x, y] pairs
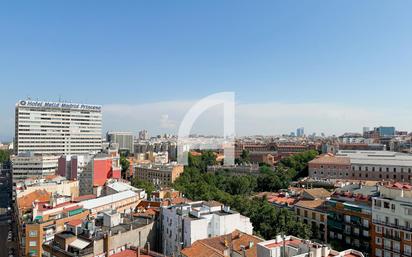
{"points": [[254, 118]]}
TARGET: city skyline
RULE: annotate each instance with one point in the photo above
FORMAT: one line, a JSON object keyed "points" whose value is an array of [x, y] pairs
{"points": [[165, 117]]}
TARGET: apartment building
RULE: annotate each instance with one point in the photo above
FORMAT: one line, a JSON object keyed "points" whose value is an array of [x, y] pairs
{"points": [[32, 165], [293, 246], [392, 221], [111, 234], [46, 219], [350, 217], [57, 128], [71, 166], [158, 174], [185, 223], [51, 184], [311, 209], [99, 169]]}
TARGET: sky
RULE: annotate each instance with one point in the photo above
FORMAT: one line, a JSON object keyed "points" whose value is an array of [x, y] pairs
{"points": [[328, 66]]}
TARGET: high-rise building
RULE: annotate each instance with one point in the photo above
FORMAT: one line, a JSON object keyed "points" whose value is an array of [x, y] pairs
{"points": [[124, 140], [385, 131], [57, 128], [300, 132], [143, 135]]}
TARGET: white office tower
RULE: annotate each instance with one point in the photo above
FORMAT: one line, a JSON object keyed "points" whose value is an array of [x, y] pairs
{"points": [[57, 128]]}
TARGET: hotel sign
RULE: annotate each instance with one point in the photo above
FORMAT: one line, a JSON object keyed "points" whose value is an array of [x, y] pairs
{"points": [[29, 103]]}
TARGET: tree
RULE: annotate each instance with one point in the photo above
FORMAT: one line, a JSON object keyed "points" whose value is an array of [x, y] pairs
{"points": [[299, 162], [245, 156], [268, 220], [4, 156], [147, 186], [208, 158], [125, 164]]}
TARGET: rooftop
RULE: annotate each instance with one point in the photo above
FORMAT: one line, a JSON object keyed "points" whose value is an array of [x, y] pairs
{"points": [[105, 200], [299, 247], [311, 204], [329, 159], [27, 201], [216, 246], [377, 158]]}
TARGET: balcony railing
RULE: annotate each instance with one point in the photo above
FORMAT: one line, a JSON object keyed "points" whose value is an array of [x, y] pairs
{"points": [[389, 224], [392, 237]]}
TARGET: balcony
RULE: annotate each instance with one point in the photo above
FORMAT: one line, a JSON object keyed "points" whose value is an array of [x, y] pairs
{"points": [[388, 224], [389, 248], [392, 237]]}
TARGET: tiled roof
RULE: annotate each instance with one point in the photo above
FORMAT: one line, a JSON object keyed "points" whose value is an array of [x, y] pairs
{"points": [[320, 193], [310, 204], [84, 198], [330, 159], [199, 249], [216, 246], [398, 185], [27, 201], [74, 223]]}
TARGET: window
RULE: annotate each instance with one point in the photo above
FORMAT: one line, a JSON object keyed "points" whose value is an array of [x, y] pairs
{"points": [[378, 229], [408, 211], [378, 241], [378, 252], [407, 236], [378, 203], [32, 233], [32, 243], [407, 249]]}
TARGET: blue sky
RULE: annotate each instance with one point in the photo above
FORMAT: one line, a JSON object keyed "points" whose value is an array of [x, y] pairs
{"points": [[343, 54]]}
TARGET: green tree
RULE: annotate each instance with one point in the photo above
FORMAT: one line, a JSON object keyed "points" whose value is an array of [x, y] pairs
{"points": [[245, 156], [147, 186], [4, 156], [125, 164], [268, 220]]}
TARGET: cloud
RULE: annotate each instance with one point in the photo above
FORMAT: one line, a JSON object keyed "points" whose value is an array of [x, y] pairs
{"points": [[271, 118], [167, 123]]}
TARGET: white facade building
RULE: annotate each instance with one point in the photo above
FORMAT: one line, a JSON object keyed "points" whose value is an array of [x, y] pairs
{"points": [[296, 247], [57, 128], [183, 224], [392, 219], [30, 165]]}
